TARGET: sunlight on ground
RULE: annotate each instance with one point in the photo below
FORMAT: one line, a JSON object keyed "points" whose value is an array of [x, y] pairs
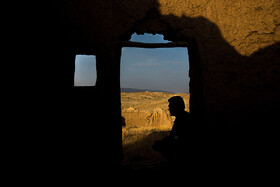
{"points": [[137, 145], [146, 119]]}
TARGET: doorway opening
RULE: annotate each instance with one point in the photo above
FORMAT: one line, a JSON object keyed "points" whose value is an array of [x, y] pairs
{"points": [[149, 77], [85, 70]]}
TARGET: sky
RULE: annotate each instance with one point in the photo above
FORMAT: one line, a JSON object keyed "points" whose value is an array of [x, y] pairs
{"points": [[163, 69]]}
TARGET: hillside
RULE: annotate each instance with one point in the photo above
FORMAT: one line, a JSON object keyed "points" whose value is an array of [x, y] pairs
{"points": [[132, 90], [148, 109]]}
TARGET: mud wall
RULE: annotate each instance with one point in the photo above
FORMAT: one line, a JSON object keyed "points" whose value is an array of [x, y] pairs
{"points": [[234, 63], [237, 44]]}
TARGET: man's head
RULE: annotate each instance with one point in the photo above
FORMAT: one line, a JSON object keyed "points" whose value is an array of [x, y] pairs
{"points": [[176, 105]]}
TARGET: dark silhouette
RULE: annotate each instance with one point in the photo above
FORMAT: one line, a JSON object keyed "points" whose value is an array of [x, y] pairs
{"points": [[171, 146]]}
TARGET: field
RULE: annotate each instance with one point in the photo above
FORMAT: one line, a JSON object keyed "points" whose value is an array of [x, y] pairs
{"points": [[147, 119]]}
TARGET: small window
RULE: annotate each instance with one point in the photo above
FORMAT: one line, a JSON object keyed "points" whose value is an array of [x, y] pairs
{"points": [[85, 70]]}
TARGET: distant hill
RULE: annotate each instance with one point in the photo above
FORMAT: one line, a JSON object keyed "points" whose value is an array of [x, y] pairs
{"points": [[132, 90], [149, 109]]}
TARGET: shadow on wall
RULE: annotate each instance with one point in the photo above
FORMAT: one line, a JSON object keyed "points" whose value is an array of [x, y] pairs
{"points": [[237, 91]]}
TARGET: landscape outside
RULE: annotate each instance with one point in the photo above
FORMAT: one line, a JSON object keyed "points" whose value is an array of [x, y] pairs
{"points": [[145, 119], [145, 114], [164, 69]]}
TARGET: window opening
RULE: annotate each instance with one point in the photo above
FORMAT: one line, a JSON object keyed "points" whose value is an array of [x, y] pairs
{"points": [[85, 70]]}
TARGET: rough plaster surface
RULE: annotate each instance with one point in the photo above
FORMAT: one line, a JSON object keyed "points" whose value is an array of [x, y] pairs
{"points": [[246, 25]]}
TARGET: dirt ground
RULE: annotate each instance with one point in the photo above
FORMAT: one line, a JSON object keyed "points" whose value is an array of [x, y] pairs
{"points": [[137, 148], [138, 138]]}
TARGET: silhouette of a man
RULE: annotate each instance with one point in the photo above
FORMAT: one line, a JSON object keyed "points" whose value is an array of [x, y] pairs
{"points": [[182, 121], [171, 146]]}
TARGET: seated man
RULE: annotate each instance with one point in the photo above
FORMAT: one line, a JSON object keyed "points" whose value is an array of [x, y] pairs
{"points": [[172, 146]]}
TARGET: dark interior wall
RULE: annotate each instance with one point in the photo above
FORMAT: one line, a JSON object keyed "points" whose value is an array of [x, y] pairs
{"points": [[74, 130], [237, 75]]}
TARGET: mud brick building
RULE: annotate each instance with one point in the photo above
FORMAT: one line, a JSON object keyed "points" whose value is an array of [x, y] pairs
{"points": [[234, 56]]}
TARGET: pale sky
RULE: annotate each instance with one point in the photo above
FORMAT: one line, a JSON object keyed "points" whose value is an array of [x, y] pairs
{"points": [[165, 69]]}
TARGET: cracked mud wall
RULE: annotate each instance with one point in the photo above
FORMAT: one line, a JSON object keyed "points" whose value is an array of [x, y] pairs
{"points": [[245, 25]]}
